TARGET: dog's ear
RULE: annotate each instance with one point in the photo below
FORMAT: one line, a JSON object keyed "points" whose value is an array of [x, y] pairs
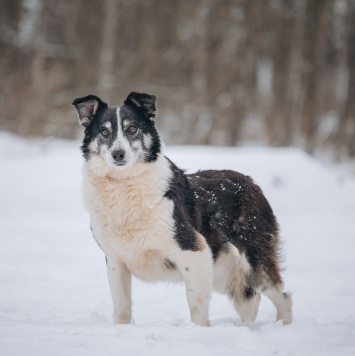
{"points": [[87, 107], [145, 102]]}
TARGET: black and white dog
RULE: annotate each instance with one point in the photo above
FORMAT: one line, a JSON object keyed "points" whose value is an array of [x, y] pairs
{"points": [[211, 230]]}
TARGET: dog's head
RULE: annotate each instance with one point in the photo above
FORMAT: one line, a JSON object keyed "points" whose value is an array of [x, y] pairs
{"points": [[119, 135]]}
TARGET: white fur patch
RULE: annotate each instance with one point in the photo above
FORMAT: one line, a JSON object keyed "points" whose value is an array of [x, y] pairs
{"points": [[229, 268], [94, 147], [196, 267], [120, 286], [282, 302], [108, 125], [147, 140], [130, 218]]}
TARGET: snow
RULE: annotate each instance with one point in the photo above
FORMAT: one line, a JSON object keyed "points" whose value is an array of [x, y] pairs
{"points": [[54, 296]]}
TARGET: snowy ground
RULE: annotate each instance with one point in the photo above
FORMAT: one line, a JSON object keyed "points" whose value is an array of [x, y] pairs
{"points": [[54, 297]]}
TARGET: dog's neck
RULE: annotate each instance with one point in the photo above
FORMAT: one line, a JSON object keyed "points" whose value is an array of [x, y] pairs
{"points": [[149, 173], [141, 185]]}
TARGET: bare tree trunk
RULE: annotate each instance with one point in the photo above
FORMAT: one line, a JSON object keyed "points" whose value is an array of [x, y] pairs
{"points": [[346, 127], [199, 85], [34, 21], [314, 56], [293, 111], [282, 75], [107, 52]]}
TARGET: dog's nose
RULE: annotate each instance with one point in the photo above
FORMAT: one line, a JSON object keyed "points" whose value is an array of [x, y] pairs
{"points": [[118, 155]]}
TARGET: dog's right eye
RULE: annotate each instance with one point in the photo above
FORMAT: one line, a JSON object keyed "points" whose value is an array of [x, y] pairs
{"points": [[105, 133]]}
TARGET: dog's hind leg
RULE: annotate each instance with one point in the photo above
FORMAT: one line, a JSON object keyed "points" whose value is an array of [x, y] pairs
{"points": [[256, 306], [257, 303], [119, 280], [196, 268], [235, 268], [245, 301], [282, 302]]}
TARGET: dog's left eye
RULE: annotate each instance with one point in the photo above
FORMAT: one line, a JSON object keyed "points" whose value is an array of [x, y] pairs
{"points": [[105, 133], [132, 129]]}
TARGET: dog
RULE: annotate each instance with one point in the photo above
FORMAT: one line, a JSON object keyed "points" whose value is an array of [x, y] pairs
{"points": [[212, 230]]}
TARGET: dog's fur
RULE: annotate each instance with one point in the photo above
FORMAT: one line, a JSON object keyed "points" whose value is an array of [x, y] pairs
{"points": [[211, 230]]}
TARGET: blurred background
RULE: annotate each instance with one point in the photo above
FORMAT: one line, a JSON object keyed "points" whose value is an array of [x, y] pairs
{"points": [[227, 72]]}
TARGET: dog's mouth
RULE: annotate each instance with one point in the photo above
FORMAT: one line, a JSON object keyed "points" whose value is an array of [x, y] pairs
{"points": [[120, 164]]}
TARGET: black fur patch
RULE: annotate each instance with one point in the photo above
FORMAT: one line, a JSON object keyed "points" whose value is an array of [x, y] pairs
{"points": [[169, 265], [144, 103], [178, 192], [249, 292], [230, 207]]}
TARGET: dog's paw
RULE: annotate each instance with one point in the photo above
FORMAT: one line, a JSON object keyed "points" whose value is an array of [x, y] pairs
{"points": [[122, 319], [202, 321]]}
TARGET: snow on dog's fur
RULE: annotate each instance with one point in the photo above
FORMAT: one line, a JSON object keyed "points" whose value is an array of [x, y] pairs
{"points": [[210, 230]]}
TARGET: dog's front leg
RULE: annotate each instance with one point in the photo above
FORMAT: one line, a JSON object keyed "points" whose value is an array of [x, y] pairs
{"points": [[196, 268], [119, 280]]}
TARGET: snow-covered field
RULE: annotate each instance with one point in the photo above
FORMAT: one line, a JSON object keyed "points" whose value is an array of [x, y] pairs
{"points": [[54, 297]]}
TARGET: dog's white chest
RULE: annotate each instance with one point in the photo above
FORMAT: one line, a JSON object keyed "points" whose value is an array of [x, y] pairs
{"points": [[144, 245], [133, 222]]}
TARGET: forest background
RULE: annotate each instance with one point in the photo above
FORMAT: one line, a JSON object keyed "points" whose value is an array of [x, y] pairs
{"points": [[228, 72]]}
